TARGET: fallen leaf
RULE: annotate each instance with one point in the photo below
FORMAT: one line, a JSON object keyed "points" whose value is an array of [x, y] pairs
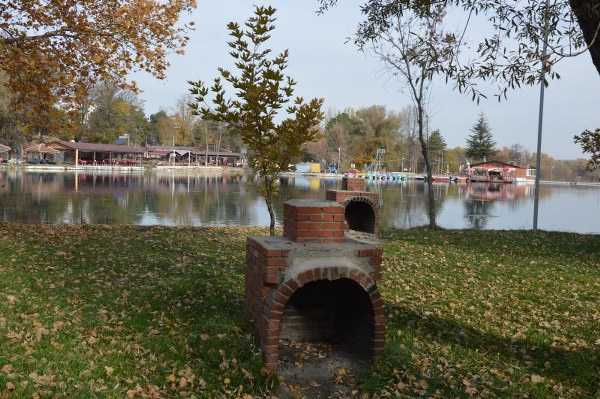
{"points": [[536, 379], [182, 382]]}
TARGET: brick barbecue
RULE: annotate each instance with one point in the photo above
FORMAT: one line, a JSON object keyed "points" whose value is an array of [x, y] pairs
{"points": [[360, 206], [313, 284]]}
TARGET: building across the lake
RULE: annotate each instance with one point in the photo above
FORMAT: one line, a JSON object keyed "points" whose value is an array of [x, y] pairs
{"points": [[194, 155], [495, 171], [75, 153]]}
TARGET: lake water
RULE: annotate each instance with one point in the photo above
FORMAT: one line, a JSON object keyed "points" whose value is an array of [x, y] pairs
{"points": [[176, 199]]}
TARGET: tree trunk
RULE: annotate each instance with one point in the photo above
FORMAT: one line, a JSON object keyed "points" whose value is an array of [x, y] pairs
{"points": [[430, 194], [269, 200], [588, 17]]}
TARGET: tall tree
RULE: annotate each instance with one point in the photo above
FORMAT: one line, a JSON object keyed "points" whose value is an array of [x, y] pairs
{"points": [[480, 144], [410, 134], [53, 50], [153, 136], [184, 121], [261, 91], [380, 128], [116, 112], [410, 48], [436, 145]]}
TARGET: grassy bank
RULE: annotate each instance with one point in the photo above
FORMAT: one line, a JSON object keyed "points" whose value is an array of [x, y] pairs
{"points": [[109, 312]]}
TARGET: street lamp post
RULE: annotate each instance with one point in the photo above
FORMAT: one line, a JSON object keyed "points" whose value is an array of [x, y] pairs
{"points": [[402, 165], [552, 173]]}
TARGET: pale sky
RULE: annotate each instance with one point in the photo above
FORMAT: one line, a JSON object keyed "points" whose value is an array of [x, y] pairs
{"points": [[324, 65]]}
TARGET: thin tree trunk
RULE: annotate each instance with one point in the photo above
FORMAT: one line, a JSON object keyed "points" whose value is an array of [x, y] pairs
{"points": [[269, 200], [430, 194]]}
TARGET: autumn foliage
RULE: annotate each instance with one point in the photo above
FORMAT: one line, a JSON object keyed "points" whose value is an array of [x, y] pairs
{"points": [[55, 50]]}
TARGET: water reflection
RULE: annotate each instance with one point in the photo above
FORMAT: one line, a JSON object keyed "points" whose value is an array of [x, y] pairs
{"points": [[481, 197], [195, 199]]}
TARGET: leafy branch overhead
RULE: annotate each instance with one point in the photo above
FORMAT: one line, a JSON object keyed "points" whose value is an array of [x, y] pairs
{"points": [[590, 144], [509, 56], [53, 51], [262, 92]]}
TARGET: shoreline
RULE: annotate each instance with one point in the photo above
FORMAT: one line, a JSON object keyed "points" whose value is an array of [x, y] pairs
{"points": [[212, 170]]}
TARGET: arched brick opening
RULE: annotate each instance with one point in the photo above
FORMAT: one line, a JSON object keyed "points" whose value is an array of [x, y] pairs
{"points": [[360, 214], [338, 311], [326, 305]]}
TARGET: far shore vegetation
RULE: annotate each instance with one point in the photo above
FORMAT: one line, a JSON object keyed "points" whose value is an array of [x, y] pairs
{"points": [[157, 312]]}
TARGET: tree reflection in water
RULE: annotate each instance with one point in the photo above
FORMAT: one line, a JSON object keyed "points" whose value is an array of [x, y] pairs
{"points": [[195, 199]]}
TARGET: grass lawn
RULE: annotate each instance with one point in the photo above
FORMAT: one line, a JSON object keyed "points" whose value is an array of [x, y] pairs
{"points": [[125, 311]]}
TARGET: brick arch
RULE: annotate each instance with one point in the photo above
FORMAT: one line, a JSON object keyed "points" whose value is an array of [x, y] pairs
{"points": [[359, 199], [361, 214], [270, 322]]}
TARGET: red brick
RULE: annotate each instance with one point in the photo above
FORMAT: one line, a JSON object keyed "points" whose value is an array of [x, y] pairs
{"points": [[320, 233], [272, 279], [286, 290], [333, 225], [339, 218], [293, 284], [339, 234], [303, 278], [375, 261], [317, 274], [276, 261], [308, 210]]}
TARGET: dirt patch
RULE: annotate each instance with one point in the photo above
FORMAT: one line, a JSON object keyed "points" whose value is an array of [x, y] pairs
{"points": [[318, 370]]}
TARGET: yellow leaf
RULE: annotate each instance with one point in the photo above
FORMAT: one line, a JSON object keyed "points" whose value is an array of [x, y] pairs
{"points": [[171, 377], [227, 381], [182, 382], [342, 372], [131, 393], [423, 384], [109, 370]]}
